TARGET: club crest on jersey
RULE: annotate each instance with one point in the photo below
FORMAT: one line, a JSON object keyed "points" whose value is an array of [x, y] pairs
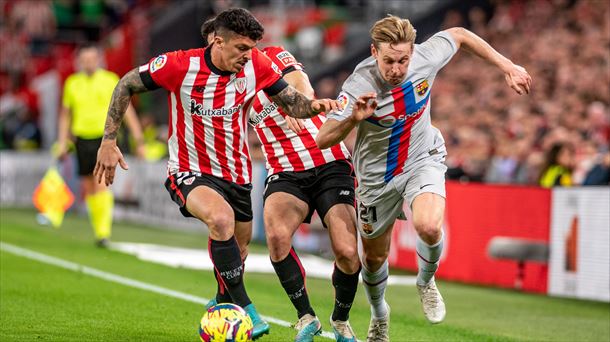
{"points": [[158, 63], [240, 84], [343, 100], [276, 69], [422, 87]]}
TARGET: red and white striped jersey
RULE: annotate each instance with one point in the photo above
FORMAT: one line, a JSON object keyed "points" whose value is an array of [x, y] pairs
{"points": [[284, 149], [207, 119]]}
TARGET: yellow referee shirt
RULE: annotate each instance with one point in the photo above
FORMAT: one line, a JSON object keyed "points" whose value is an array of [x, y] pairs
{"points": [[88, 98]]}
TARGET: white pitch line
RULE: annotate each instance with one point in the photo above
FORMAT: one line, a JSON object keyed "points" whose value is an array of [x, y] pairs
{"points": [[47, 259]]}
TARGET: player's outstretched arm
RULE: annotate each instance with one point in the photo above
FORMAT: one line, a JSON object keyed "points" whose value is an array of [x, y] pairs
{"points": [[300, 81], [516, 76], [299, 106], [334, 131], [109, 155]]}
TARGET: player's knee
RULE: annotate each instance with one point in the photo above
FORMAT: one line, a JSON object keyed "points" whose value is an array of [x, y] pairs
{"points": [[428, 231], [374, 261], [223, 225], [347, 258], [279, 244], [243, 251]]}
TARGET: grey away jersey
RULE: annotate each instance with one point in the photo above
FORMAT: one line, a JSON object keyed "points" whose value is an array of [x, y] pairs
{"points": [[400, 132]]}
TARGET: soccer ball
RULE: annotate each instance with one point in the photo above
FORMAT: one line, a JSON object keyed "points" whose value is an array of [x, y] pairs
{"points": [[225, 322]]}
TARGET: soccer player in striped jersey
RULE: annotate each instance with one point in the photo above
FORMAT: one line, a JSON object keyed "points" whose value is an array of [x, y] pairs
{"points": [[399, 155], [302, 178], [209, 163]]}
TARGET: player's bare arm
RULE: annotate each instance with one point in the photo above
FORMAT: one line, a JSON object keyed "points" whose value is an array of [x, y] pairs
{"points": [[299, 106], [300, 81], [334, 131], [516, 76], [109, 155]]}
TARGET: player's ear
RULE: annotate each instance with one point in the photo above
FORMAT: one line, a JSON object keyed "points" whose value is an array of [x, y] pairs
{"points": [[218, 40], [373, 50]]}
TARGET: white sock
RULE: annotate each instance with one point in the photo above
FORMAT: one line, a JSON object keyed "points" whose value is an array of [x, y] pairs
{"points": [[427, 260], [374, 286]]}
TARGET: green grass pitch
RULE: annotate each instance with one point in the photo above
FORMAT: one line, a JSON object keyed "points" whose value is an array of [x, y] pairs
{"points": [[41, 302]]}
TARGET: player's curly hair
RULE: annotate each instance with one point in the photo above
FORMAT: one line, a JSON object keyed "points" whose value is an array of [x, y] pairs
{"points": [[392, 30], [239, 21]]}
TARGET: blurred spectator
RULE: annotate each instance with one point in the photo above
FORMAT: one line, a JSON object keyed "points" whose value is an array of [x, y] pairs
{"points": [[557, 170], [155, 142], [565, 45], [600, 173], [35, 19], [19, 116]]}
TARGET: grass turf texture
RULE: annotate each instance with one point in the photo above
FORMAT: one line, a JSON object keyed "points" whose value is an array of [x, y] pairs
{"points": [[44, 302]]}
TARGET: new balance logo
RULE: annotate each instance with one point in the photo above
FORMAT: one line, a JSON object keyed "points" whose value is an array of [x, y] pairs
{"points": [[345, 193]]}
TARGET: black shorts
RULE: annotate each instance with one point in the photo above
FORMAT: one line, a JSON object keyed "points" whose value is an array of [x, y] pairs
{"points": [[86, 154], [238, 196], [321, 187]]}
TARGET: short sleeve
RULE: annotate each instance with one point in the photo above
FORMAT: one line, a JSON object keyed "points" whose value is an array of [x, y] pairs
{"points": [[267, 73], [163, 71], [67, 98], [437, 51], [352, 88], [283, 59]]}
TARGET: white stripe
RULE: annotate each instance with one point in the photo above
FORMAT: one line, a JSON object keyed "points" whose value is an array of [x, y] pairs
{"points": [[185, 96], [172, 142], [250, 88], [230, 95], [47, 259], [210, 132]]}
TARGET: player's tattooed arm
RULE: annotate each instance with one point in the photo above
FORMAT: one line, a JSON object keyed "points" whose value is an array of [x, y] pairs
{"points": [[129, 84], [299, 106]]}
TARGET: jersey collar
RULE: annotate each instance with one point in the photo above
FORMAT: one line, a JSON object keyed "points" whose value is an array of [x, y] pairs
{"points": [[208, 60]]}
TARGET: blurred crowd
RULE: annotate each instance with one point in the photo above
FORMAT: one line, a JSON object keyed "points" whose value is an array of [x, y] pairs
{"points": [[557, 135], [494, 135]]}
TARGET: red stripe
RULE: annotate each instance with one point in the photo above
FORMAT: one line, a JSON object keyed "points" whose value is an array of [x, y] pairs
{"points": [[245, 147], [220, 143], [289, 151], [170, 129], [271, 157], [296, 258], [312, 148], [335, 150], [174, 187], [198, 126], [399, 107], [238, 125], [183, 153], [219, 279]]}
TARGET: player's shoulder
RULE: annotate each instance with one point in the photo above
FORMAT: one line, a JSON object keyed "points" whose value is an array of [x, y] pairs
{"points": [[361, 80], [269, 50], [439, 40], [179, 55]]}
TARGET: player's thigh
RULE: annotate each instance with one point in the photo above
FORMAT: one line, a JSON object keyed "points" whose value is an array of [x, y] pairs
{"points": [[377, 209], [209, 206], [283, 214], [425, 191], [375, 250]]}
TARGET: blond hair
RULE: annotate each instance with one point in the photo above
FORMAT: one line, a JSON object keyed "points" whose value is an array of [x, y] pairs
{"points": [[392, 30]]}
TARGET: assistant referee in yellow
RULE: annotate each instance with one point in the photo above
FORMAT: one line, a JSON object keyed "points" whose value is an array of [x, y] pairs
{"points": [[85, 102]]}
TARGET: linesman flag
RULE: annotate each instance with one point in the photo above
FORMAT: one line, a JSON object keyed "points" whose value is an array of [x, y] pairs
{"points": [[52, 197]]}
